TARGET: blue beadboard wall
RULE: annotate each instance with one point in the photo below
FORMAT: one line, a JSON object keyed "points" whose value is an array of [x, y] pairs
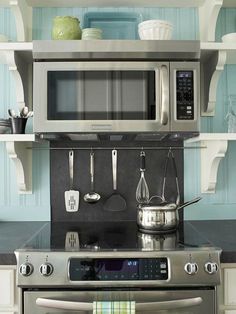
{"points": [[221, 205], [185, 21], [14, 206]]}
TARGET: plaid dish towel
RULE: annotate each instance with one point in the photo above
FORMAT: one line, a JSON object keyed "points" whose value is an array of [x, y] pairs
{"points": [[113, 307]]}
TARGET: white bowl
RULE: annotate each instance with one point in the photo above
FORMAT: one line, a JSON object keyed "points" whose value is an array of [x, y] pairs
{"points": [[154, 22], [3, 38], [4, 129], [155, 29], [229, 38], [91, 33]]}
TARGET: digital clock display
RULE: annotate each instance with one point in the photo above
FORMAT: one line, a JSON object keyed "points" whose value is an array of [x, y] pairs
{"points": [[117, 269]]}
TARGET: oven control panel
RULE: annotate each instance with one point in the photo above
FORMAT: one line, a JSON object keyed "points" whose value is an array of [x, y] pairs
{"points": [[108, 269], [192, 266]]}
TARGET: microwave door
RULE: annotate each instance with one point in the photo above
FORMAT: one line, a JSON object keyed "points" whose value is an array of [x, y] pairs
{"points": [[101, 96]]}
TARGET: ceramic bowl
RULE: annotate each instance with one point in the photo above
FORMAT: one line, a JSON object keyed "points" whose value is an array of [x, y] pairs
{"points": [[155, 29], [91, 33], [5, 126], [229, 38], [3, 38]]}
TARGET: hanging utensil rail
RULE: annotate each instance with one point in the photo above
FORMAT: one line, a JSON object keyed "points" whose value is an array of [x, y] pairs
{"points": [[118, 148]]}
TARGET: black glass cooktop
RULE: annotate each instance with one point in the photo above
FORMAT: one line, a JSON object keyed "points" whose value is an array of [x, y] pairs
{"points": [[112, 236]]}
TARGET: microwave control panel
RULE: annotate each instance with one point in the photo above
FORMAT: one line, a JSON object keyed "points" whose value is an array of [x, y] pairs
{"points": [[185, 95]]}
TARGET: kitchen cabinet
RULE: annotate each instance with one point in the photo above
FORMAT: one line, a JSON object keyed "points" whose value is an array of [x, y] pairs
{"points": [[227, 290], [8, 290]]}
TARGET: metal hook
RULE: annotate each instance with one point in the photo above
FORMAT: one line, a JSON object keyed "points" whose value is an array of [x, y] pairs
{"points": [[170, 152]]}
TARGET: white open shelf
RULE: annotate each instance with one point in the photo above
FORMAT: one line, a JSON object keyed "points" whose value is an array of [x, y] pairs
{"points": [[18, 138], [215, 147], [18, 149], [208, 11], [214, 57], [114, 3]]}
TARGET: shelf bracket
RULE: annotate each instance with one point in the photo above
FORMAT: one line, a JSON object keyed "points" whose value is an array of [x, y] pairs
{"points": [[22, 74], [208, 14], [212, 65], [210, 159], [23, 18], [21, 155]]}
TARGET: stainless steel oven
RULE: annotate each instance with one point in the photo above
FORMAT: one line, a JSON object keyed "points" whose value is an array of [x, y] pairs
{"points": [[171, 281], [74, 95]]}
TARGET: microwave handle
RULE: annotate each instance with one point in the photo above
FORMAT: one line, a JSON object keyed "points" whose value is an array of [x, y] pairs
{"points": [[147, 306], [164, 95]]}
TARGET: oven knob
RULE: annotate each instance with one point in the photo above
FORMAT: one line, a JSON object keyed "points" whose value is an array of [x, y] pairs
{"points": [[191, 268], [26, 269], [46, 269], [211, 268]]}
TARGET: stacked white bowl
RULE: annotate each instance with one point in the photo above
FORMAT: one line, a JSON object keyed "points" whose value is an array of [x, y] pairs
{"points": [[155, 29], [91, 33]]}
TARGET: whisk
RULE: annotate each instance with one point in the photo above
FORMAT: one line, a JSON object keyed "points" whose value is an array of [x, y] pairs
{"points": [[142, 191]]}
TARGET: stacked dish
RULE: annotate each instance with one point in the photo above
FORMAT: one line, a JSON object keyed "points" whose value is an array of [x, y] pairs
{"points": [[155, 29], [229, 38], [5, 125], [91, 34]]}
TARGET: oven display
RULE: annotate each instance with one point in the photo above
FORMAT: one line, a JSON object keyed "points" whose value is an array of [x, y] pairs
{"points": [[118, 269]]}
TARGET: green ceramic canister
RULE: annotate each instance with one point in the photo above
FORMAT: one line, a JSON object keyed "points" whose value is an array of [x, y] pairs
{"points": [[66, 27]]}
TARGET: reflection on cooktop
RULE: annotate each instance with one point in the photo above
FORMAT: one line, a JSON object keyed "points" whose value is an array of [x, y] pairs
{"points": [[112, 236]]}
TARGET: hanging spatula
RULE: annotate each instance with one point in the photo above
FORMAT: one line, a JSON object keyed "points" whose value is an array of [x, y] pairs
{"points": [[71, 196]]}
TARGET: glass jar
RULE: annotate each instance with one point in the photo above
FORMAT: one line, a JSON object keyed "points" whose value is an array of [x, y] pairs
{"points": [[66, 27]]}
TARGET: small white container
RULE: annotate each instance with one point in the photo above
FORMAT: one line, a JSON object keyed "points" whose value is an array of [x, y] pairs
{"points": [[155, 29], [3, 38], [229, 38], [91, 34]]}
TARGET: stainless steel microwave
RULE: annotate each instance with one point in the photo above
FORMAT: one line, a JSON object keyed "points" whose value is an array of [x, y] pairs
{"points": [[116, 96]]}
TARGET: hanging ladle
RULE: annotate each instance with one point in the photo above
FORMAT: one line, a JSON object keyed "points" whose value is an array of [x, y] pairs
{"points": [[92, 196]]}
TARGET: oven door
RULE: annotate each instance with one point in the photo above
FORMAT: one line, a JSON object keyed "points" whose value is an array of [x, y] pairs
{"points": [[101, 97], [154, 301]]}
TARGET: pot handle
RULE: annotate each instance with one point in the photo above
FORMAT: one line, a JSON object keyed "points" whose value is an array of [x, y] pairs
{"points": [[195, 200]]}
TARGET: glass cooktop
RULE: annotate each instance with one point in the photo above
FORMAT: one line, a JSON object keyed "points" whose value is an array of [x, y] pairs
{"points": [[103, 236]]}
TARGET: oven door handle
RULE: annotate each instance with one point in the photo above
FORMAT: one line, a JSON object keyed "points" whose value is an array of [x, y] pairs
{"points": [[147, 306]]}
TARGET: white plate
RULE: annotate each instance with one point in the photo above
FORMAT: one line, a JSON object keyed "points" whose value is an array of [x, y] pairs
{"points": [[229, 38]]}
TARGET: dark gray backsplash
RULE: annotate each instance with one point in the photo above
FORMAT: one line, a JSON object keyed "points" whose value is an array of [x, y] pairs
{"points": [[128, 177]]}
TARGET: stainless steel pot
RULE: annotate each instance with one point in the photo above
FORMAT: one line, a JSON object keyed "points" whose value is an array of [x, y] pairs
{"points": [[162, 217], [157, 242]]}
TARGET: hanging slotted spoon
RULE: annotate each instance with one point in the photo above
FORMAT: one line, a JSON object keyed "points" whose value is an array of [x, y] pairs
{"points": [[71, 196], [116, 201]]}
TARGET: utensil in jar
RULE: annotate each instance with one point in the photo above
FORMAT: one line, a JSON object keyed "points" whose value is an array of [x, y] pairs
{"points": [[71, 196], [12, 113], [142, 191], [92, 196], [24, 112], [116, 201]]}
